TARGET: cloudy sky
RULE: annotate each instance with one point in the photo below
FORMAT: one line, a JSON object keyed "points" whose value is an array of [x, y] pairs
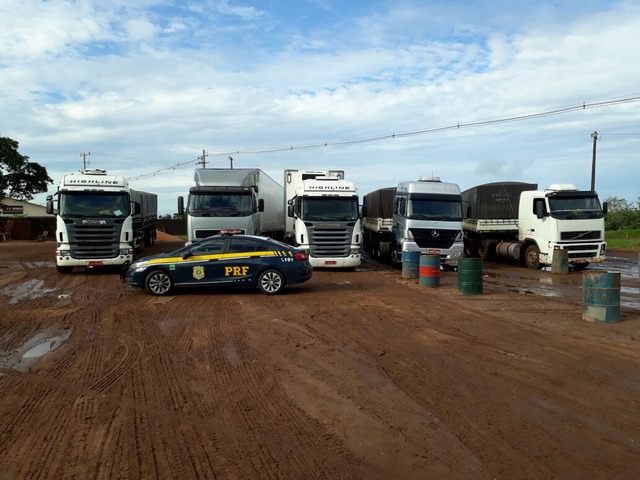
{"points": [[376, 88]]}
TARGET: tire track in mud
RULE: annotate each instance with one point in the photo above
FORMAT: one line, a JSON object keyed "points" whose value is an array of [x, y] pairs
{"points": [[259, 429]]}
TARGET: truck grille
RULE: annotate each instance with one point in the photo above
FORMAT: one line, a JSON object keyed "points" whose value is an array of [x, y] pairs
{"points": [[94, 241], [433, 237], [581, 251], [330, 239], [577, 236]]}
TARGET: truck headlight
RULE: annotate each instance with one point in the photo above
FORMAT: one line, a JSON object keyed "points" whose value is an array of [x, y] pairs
{"points": [[63, 253], [126, 251], [355, 251]]}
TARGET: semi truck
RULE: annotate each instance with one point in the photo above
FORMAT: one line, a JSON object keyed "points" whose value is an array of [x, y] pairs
{"points": [[423, 215], [516, 220], [100, 220], [228, 200], [322, 215]]}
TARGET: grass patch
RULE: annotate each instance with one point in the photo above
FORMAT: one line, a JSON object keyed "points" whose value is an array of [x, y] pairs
{"points": [[623, 240]]}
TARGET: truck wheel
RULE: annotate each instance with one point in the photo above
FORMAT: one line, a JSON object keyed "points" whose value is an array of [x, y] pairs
{"points": [[271, 282], [158, 282], [63, 269], [532, 257]]}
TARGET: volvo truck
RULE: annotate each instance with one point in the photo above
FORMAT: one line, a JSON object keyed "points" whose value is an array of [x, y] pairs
{"points": [[423, 215], [228, 200], [516, 220], [322, 216], [100, 220]]}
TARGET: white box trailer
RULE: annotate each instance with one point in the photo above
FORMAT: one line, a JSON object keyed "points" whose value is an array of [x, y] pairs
{"points": [[235, 200]]}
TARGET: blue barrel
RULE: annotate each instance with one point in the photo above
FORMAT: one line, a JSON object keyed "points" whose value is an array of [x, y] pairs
{"points": [[601, 296], [429, 270], [410, 264], [560, 261], [470, 276]]}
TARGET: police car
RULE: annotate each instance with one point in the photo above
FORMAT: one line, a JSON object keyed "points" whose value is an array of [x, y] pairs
{"points": [[222, 260]]}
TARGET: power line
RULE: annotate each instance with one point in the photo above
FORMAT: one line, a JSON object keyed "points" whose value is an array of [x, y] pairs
{"points": [[393, 136]]}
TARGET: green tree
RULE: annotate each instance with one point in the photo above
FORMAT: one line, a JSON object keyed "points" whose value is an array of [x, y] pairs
{"points": [[20, 178], [622, 215]]}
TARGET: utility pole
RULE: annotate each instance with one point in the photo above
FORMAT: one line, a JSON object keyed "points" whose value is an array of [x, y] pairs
{"points": [[594, 135], [203, 158], [84, 160], [231, 160]]}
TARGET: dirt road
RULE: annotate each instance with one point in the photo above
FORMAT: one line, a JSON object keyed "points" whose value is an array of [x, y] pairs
{"points": [[353, 375]]}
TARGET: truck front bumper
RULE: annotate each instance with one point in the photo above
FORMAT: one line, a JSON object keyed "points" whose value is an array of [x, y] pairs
{"points": [[352, 261]]}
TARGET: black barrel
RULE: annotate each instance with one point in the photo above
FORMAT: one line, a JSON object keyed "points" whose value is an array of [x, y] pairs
{"points": [[470, 276], [560, 261]]}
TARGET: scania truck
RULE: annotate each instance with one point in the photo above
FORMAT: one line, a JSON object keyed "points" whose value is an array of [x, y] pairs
{"points": [[228, 200], [423, 215], [516, 220], [322, 215], [100, 220]]}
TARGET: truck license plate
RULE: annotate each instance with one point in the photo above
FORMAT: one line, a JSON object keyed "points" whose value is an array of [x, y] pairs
{"points": [[434, 252], [95, 264], [330, 262]]}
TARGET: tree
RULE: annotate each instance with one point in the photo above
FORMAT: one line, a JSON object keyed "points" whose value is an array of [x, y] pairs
{"points": [[622, 215], [20, 178]]}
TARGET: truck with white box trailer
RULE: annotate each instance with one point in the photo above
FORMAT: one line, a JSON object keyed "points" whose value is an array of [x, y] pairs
{"points": [[516, 220], [233, 200], [322, 215], [100, 220], [423, 215]]}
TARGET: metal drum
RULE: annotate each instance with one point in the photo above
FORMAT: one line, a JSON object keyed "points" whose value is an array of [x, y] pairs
{"points": [[601, 296], [470, 276], [429, 270], [410, 264], [560, 261]]}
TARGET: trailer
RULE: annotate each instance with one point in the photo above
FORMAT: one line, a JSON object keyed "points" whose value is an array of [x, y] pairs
{"points": [[516, 220], [100, 220], [228, 200]]}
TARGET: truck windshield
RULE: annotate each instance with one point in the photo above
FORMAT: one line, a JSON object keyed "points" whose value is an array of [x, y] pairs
{"points": [[567, 207], [221, 204], [330, 208], [93, 204], [441, 207]]}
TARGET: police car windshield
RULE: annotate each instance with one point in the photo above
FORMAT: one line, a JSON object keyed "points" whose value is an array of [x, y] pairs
{"points": [[85, 204]]}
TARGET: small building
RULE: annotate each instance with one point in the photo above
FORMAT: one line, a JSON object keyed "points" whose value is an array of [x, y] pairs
{"points": [[22, 220]]}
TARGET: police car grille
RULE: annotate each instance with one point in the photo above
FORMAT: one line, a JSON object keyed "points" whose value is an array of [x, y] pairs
{"points": [[433, 237], [94, 241]]}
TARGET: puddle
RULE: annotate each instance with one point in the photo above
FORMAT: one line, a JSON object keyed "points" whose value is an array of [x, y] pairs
{"points": [[36, 347], [30, 290]]}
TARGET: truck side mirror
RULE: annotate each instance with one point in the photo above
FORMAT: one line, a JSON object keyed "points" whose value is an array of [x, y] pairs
{"points": [[261, 205], [605, 207], [364, 210], [50, 204], [136, 208], [180, 206], [469, 211], [539, 209], [290, 211]]}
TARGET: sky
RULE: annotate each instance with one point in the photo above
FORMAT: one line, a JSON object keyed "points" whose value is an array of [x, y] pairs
{"points": [[470, 91]]}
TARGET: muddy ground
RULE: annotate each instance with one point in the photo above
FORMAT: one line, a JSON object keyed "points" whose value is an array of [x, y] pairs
{"points": [[353, 375]]}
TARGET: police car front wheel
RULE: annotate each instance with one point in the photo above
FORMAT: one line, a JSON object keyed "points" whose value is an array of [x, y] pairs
{"points": [[271, 282], [158, 282]]}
